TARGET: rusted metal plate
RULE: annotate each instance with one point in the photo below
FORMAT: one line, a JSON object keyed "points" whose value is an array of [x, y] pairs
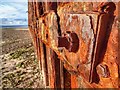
{"points": [[82, 25]]}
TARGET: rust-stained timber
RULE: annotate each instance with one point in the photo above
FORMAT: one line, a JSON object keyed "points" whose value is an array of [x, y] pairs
{"points": [[53, 64], [52, 23], [51, 68], [35, 10], [44, 65]]}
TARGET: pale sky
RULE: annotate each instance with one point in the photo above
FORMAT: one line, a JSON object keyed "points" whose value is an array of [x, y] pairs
{"points": [[13, 9]]}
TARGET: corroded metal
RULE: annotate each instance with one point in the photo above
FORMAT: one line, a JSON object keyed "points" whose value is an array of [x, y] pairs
{"points": [[78, 34], [70, 41], [103, 71]]}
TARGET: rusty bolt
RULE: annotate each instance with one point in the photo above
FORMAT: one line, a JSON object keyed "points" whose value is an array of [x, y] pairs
{"points": [[103, 70], [70, 41]]}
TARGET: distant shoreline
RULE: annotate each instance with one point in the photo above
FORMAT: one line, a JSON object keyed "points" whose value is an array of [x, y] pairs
{"points": [[13, 26]]}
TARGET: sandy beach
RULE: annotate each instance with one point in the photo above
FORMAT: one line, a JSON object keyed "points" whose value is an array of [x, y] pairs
{"points": [[19, 65]]}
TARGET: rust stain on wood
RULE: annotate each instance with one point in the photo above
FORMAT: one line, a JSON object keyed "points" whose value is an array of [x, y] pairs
{"points": [[80, 43]]}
